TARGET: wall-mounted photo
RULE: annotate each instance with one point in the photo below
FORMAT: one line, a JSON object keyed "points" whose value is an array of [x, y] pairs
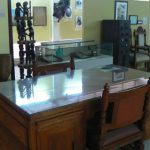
{"points": [[133, 19], [140, 21], [68, 12], [79, 4], [78, 21], [39, 16], [61, 9], [121, 10]]}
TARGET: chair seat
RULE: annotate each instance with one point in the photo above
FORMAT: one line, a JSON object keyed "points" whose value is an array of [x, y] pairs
{"points": [[119, 120], [141, 55], [120, 134]]}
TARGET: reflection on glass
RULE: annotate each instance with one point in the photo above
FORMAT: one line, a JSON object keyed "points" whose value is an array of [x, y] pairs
{"points": [[73, 86], [50, 88], [28, 94]]}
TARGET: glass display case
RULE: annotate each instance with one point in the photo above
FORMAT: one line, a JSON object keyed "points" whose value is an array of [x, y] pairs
{"points": [[81, 49], [87, 53]]}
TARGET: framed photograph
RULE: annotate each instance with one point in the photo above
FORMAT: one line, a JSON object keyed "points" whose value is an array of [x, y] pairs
{"points": [[121, 10], [78, 21], [140, 21], [118, 76], [39, 16], [78, 4], [68, 13], [133, 19]]}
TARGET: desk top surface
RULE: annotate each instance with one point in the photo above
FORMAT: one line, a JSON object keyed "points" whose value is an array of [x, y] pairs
{"points": [[52, 91]]}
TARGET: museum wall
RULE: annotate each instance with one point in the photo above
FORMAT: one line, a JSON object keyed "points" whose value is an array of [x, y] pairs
{"points": [[69, 30], [44, 33], [4, 33], [142, 9], [95, 11]]}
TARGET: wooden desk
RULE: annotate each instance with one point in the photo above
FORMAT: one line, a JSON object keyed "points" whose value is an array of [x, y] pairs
{"points": [[50, 112]]}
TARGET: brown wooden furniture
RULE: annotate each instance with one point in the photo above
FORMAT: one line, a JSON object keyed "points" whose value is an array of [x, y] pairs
{"points": [[58, 129], [55, 115], [117, 33], [141, 49], [5, 66], [122, 118], [49, 68]]}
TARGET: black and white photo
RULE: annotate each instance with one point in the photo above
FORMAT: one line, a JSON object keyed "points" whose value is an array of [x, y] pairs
{"points": [[79, 4]]}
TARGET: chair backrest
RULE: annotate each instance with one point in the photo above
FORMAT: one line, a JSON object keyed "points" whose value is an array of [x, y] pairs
{"points": [[140, 36], [49, 68], [122, 108], [5, 66]]}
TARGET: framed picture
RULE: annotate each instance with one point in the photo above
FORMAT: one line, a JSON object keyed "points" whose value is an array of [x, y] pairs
{"points": [[133, 19], [140, 21], [68, 13], [39, 16], [78, 4], [118, 76], [121, 10]]}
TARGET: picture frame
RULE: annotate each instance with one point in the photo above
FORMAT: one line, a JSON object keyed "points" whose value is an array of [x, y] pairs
{"points": [[118, 75], [39, 16], [68, 14], [140, 22], [78, 4], [121, 10], [133, 19]]}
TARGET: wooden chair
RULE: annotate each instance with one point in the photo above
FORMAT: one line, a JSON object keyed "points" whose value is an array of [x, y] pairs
{"points": [[52, 68], [141, 49], [121, 119], [5, 66]]}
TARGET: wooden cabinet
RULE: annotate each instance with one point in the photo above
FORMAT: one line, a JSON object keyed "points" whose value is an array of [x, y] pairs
{"points": [[118, 33], [58, 129], [64, 132]]}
